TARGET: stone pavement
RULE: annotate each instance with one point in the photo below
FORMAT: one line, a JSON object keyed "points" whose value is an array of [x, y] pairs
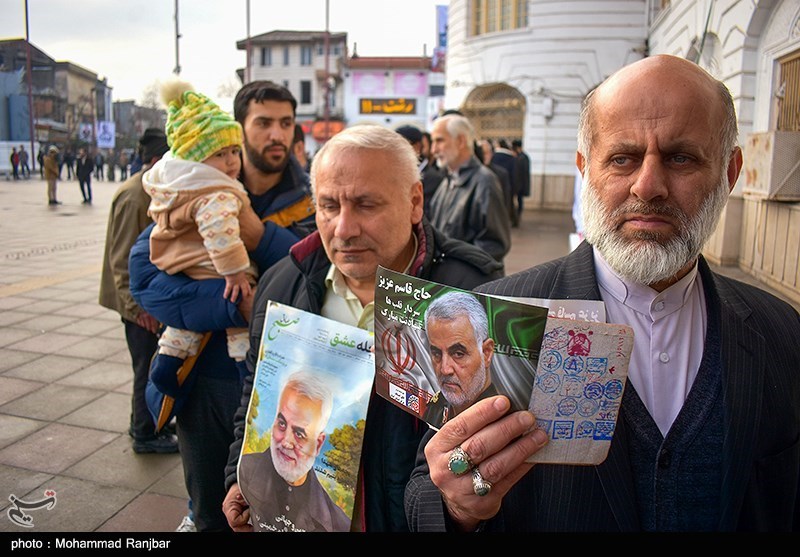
{"points": [[65, 376]]}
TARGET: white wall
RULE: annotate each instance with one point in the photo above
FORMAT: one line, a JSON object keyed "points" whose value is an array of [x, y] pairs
{"points": [[569, 47]]}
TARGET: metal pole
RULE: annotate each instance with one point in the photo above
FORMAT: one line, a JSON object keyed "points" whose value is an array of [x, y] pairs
{"points": [[249, 59], [32, 154], [327, 74], [177, 69]]}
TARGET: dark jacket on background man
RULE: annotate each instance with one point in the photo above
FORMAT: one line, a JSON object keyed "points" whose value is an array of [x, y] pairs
{"points": [[392, 435], [470, 207], [84, 167]]}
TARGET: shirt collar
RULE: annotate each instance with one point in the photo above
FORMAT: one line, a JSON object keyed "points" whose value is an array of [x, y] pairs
{"points": [[640, 297]]}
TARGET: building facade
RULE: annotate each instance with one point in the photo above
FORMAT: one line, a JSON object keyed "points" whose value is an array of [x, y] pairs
{"points": [[298, 61], [392, 91], [520, 68]]}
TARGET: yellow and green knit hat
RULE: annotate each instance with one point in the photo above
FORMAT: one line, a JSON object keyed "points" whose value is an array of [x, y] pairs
{"points": [[196, 127]]}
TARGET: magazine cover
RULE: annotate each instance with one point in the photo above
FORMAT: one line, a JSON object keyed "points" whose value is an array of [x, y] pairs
{"points": [[439, 349], [298, 468], [580, 378]]}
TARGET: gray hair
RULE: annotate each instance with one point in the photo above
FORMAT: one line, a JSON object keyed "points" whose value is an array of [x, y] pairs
{"points": [[313, 387], [457, 125], [371, 137], [453, 304]]}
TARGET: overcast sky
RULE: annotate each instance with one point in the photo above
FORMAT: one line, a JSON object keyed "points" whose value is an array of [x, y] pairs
{"points": [[132, 42]]}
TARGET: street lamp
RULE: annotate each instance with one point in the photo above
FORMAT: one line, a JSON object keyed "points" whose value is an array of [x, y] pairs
{"points": [[31, 129]]}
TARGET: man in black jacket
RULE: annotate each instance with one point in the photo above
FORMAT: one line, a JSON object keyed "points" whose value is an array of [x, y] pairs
{"points": [[469, 203], [369, 213]]}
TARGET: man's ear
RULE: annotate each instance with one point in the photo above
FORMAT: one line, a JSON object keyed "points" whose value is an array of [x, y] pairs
{"points": [[320, 441], [417, 203], [580, 161], [488, 351], [734, 167]]}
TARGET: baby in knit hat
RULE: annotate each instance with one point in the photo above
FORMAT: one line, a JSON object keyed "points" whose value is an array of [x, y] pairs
{"points": [[196, 203]]}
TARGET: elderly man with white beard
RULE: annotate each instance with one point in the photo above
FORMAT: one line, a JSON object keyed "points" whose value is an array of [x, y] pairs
{"points": [[707, 433], [283, 490], [461, 351]]}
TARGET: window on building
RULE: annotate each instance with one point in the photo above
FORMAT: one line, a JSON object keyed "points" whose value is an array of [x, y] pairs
{"points": [[788, 93], [490, 16], [266, 56], [505, 14], [305, 92], [320, 49], [337, 50], [286, 56], [305, 55]]}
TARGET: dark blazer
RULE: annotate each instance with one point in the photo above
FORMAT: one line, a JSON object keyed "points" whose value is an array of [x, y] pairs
{"points": [[761, 438]]}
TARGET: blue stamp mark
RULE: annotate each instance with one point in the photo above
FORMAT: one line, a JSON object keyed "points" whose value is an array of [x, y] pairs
{"points": [[555, 339], [574, 365], [608, 410], [563, 429], [585, 430], [593, 390], [603, 431], [551, 360], [549, 382], [567, 406], [571, 387], [544, 425], [613, 389], [597, 366], [587, 407]]}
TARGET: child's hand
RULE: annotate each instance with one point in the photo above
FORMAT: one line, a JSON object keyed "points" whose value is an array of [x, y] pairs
{"points": [[236, 284]]}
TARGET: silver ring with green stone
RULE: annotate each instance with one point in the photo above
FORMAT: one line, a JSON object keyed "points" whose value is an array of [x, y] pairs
{"points": [[459, 462]]}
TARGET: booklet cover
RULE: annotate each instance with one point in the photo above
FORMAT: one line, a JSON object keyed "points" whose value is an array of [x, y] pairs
{"points": [[439, 349], [298, 468]]}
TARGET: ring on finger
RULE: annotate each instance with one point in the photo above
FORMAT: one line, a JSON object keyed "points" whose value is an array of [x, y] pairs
{"points": [[459, 462], [480, 486]]}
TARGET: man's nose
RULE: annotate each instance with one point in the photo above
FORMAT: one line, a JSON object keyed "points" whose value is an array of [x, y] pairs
{"points": [[288, 443], [651, 180], [447, 365], [347, 223]]}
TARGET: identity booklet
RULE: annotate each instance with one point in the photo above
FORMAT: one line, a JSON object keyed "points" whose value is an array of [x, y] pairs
{"points": [[440, 349], [298, 469]]}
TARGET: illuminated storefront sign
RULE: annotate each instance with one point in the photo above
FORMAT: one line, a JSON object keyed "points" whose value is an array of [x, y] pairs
{"points": [[388, 106]]}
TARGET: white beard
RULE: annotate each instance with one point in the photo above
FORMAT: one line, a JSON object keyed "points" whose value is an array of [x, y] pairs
{"points": [[290, 473], [649, 258]]}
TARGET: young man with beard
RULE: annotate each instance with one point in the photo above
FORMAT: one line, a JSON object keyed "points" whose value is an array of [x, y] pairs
{"points": [[707, 434], [369, 213], [278, 192], [285, 494]]}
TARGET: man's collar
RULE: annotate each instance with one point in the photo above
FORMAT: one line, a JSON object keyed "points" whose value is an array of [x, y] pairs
{"points": [[640, 296]]}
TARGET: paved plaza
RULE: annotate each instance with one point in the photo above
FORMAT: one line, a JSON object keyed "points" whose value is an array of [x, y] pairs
{"points": [[65, 375]]}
